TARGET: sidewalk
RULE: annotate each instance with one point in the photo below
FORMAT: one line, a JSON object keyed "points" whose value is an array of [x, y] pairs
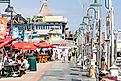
{"points": [[65, 72], [32, 75], [53, 71]]}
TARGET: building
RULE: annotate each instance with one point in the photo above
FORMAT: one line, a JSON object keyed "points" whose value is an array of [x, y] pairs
{"points": [[38, 27]]}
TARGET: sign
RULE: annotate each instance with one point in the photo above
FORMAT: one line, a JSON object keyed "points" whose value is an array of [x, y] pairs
{"points": [[15, 33], [3, 27], [4, 1], [26, 37], [34, 20], [54, 19]]}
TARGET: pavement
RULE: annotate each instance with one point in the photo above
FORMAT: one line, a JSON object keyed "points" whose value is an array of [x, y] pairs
{"points": [[65, 72], [31, 75], [53, 71]]}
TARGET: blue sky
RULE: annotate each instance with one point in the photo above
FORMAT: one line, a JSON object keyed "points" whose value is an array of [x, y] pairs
{"points": [[73, 10]]}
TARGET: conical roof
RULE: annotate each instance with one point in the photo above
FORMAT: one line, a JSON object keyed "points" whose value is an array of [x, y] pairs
{"points": [[44, 11]]}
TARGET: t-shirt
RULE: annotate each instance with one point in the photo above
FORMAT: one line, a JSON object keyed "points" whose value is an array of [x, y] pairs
{"points": [[64, 53], [69, 53], [26, 64]]}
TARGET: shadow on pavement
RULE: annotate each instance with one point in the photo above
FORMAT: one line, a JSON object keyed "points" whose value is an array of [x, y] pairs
{"points": [[74, 69], [75, 80], [74, 74], [61, 79]]}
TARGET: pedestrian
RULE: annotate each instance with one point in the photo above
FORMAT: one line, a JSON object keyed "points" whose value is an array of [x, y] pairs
{"points": [[69, 55], [61, 58], [63, 55], [49, 54], [56, 55]]}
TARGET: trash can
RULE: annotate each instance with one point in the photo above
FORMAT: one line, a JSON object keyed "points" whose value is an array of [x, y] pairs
{"points": [[32, 63]]}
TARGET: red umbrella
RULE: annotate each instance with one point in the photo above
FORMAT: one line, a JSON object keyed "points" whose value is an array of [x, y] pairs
{"points": [[24, 46], [6, 41], [44, 45], [52, 46]]}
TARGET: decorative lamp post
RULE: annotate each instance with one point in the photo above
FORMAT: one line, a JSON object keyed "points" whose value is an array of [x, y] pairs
{"points": [[98, 24], [115, 44], [10, 9], [107, 55], [86, 37], [95, 4], [108, 5], [82, 43], [91, 25]]}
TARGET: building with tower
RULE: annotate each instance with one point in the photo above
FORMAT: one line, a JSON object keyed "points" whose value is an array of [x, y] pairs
{"points": [[45, 23]]}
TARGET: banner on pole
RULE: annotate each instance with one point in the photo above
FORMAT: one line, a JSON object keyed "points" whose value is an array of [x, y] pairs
{"points": [[3, 27]]}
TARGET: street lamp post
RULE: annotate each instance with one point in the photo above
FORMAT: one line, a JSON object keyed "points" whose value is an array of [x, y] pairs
{"points": [[10, 9], [91, 27], [107, 53], [110, 31], [82, 44], [111, 18], [115, 44], [85, 33], [98, 25]]}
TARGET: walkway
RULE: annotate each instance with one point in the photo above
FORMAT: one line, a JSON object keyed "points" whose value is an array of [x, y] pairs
{"points": [[32, 75], [64, 72], [52, 71]]}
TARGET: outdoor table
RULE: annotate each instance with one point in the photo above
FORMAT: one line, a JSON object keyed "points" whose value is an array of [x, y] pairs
{"points": [[10, 69], [42, 58]]}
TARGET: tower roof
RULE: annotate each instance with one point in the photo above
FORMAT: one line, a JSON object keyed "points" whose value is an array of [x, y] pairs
{"points": [[44, 11]]}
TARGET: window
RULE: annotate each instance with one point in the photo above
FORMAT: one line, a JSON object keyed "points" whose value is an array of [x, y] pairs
{"points": [[60, 27], [44, 27], [48, 27], [39, 27], [34, 32], [36, 27]]}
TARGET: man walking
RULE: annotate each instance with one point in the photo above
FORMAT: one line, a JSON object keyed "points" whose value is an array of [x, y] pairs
{"points": [[63, 55], [69, 55]]}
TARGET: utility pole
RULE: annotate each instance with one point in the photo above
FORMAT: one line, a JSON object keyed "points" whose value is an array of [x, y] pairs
{"points": [[110, 33]]}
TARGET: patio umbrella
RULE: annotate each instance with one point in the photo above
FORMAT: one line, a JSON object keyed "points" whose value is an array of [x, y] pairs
{"points": [[6, 41], [44, 45], [52, 46], [24, 46]]}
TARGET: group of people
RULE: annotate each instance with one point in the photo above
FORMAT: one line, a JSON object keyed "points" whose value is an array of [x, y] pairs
{"points": [[67, 55], [17, 58]]}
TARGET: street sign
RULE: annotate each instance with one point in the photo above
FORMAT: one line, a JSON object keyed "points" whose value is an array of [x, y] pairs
{"points": [[5, 15], [4, 1]]}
